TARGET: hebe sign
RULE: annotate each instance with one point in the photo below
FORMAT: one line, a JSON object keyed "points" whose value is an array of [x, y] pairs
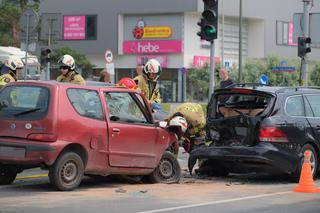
{"points": [[138, 47]]}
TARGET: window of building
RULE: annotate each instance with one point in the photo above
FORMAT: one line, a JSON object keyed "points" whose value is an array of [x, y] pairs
{"points": [[82, 27], [282, 33]]}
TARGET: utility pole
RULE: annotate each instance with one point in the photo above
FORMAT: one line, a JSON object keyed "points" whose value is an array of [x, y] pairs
{"points": [[304, 60], [27, 47], [50, 22], [240, 41], [212, 66]]}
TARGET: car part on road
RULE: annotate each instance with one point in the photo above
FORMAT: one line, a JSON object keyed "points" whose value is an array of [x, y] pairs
{"points": [[168, 170], [7, 174], [67, 172]]}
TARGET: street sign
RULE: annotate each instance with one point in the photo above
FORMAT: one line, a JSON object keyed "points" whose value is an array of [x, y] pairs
{"points": [[314, 20], [32, 36], [110, 68], [29, 18], [263, 80], [31, 46], [108, 56], [51, 23]]}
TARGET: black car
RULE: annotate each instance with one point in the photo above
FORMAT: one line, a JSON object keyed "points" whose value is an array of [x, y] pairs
{"points": [[261, 129]]}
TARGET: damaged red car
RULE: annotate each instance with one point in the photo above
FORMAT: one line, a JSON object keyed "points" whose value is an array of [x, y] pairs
{"points": [[74, 130], [260, 129]]}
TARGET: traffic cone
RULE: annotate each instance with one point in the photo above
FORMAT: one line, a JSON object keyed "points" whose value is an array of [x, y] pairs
{"points": [[306, 183]]}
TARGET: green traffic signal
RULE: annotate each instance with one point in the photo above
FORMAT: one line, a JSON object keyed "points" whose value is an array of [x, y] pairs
{"points": [[210, 31]]}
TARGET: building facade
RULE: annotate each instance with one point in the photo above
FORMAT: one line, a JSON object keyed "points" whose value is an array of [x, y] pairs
{"points": [[137, 30]]}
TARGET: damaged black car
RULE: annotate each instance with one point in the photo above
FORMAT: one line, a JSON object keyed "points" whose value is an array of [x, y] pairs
{"points": [[260, 129]]}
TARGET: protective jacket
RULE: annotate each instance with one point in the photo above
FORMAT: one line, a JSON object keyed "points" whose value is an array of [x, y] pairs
{"points": [[148, 88], [72, 77]]}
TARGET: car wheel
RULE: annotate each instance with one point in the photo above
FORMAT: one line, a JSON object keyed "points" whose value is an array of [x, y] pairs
{"points": [[7, 175], [313, 162], [67, 172], [168, 170]]}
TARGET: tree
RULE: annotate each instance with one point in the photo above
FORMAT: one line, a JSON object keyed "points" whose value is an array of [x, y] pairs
{"points": [[82, 63], [315, 75], [10, 12]]}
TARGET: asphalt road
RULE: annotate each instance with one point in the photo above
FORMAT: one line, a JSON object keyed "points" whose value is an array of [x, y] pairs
{"points": [[31, 192]]}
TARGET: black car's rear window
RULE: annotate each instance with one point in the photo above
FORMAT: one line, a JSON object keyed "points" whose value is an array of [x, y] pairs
{"points": [[24, 102], [228, 105]]}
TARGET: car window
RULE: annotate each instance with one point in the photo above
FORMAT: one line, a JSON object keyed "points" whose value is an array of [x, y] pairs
{"points": [[309, 112], [123, 108], [294, 106], [86, 102], [24, 102], [314, 101]]}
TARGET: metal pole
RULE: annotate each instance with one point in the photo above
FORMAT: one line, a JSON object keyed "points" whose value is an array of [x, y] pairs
{"points": [[27, 44], [50, 21], [211, 80], [304, 60], [222, 42], [240, 41]]}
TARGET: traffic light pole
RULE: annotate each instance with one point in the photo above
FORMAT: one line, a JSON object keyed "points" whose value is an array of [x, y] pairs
{"points": [[212, 66], [304, 60]]}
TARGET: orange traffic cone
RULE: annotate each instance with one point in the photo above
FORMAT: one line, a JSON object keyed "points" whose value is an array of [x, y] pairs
{"points": [[306, 183]]}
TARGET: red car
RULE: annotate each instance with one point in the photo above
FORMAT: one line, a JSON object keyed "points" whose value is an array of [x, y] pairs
{"points": [[74, 130]]}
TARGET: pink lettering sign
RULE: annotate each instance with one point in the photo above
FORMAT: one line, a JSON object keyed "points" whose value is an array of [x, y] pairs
{"points": [[200, 61], [290, 35], [74, 27], [152, 47], [163, 59]]}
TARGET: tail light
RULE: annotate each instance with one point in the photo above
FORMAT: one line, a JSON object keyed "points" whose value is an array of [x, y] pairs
{"points": [[272, 134], [42, 137]]}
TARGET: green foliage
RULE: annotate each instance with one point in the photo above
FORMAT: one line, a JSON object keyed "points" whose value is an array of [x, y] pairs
{"points": [[198, 79], [198, 83], [81, 61], [10, 12], [315, 75]]}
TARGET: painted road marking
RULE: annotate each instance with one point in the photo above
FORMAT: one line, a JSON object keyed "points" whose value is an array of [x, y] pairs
{"points": [[32, 176], [215, 202]]}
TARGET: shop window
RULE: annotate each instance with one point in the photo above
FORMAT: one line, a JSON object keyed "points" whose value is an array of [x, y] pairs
{"points": [[282, 33], [91, 27]]}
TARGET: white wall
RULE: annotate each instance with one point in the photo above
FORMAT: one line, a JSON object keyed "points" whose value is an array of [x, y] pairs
{"points": [[256, 38]]}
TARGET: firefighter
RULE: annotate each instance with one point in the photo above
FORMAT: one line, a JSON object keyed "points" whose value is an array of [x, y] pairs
{"points": [[14, 66], [194, 115], [147, 82], [68, 72]]}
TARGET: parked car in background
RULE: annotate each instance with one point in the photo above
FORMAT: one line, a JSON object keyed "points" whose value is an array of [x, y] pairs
{"points": [[261, 129], [74, 130]]}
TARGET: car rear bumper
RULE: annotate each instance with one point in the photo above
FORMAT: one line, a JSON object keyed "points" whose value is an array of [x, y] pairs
{"points": [[262, 158], [27, 153]]}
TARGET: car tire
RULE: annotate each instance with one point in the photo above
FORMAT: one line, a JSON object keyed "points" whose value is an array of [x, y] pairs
{"points": [[67, 172], [295, 176], [167, 171], [7, 175]]}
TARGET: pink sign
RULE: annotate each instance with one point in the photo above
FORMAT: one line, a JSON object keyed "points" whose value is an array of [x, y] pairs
{"points": [[200, 61], [74, 27], [152, 47], [290, 35], [163, 59]]}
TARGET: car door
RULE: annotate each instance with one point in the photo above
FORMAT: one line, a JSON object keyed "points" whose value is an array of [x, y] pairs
{"points": [[132, 134], [314, 101]]}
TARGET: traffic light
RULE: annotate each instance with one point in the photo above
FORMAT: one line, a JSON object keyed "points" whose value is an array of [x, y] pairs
{"points": [[45, 56], [209, 21], [303, 46]]}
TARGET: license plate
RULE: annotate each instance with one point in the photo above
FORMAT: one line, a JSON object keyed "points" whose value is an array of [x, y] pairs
{"points": [[8, 151]]}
